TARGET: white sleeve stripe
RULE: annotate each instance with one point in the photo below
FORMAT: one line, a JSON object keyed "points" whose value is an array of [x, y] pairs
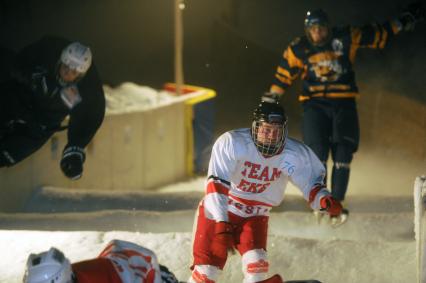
{"points": [[217, 206]]}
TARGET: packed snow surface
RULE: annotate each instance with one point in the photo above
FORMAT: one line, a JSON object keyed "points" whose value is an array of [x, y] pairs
{"points": [[376, 245]]}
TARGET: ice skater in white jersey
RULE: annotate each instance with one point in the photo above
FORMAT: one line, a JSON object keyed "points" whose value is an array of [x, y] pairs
{"points": [[248, 173]]}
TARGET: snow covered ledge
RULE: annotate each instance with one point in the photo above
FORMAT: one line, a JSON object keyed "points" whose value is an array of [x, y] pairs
{"points": [[144, 142]]}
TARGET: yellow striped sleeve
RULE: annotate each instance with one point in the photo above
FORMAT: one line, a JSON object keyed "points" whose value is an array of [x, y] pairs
{"points": [[285, 73], [276, 89], [284, 79], [356, 39], [376, 37], [291, 58], [356, 35], [384, 39]]}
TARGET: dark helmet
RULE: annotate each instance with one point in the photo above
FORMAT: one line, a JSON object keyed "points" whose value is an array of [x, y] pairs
{"points": [[274, 114], [316, 17]]}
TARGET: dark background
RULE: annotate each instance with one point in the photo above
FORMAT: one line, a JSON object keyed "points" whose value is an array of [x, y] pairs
{"points": [[233, 46]]}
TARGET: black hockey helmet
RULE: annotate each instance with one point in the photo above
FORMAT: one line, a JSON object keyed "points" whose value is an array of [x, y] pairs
{"points": [[316, 17], [273, 114], [320, 18]]}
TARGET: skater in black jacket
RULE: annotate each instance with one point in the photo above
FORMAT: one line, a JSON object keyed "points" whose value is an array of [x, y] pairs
{"points": [[50, 79], [323, 58]]}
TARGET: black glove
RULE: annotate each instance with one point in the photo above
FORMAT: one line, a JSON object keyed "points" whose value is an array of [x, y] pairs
{"points": [[270, 97], [72, 162], [413, 14]]}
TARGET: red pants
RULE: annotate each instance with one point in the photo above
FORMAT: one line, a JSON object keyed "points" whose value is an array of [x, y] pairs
{"points": [[249, 233]]}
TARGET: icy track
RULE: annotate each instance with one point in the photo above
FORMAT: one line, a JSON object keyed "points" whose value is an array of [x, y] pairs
{"points": [[375, 246]]}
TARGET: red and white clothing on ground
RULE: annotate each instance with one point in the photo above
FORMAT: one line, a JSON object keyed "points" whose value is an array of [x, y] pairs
{"points": [[119, 262], [241, 188]]}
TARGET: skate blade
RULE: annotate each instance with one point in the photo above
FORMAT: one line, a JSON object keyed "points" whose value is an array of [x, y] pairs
{"points": [[318, 216], [339, 220]]}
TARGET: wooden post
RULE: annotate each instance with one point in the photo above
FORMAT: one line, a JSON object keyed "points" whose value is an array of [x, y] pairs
{"points": [[420, 226], [179, 6]]}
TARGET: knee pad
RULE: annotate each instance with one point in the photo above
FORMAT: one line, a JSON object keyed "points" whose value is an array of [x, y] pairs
{"points": [[204, 274], [342, 155], [255, 265], [342, 165]]}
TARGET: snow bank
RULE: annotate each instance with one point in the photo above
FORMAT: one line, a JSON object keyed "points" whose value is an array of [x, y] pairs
{"points": [[376, 245], [331, 261], [130, 97]]}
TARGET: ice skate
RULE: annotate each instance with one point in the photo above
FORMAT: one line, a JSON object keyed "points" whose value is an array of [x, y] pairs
{"points": [[318, 214], [336, 221]]}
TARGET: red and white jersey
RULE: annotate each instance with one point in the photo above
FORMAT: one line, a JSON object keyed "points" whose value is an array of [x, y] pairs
{"points": [[120, 262], [242, 181]]}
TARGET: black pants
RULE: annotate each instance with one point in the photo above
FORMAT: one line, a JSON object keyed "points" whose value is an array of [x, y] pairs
{"points": [[20, 135], [18, 144], [331, 126]]}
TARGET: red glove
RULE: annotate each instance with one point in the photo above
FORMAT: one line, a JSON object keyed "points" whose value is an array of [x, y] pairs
{"points": [[331, 205], [222, 240]]}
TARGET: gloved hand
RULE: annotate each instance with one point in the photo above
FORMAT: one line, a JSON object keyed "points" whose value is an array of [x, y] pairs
{"points": [[331, 205], [271, 97], [72, 162], [222, 240], [413, 14]]}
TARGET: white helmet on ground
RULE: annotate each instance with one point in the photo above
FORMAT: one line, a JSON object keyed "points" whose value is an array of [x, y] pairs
{"points": [[48, 267], [77, 56]]}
